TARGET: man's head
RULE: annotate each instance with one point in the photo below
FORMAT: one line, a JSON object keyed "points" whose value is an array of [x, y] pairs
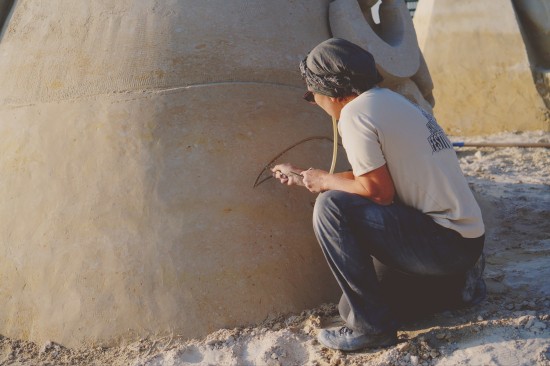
{"points": [[338, 68]]}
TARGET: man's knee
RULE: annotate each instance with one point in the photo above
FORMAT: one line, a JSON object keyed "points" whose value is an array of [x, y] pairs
{"points": [[336, 205], [326, 205], [330, 205], [327, 201]]}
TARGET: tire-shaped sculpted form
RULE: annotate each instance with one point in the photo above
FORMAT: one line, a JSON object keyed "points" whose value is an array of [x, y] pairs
{"points": [[392, 42]]}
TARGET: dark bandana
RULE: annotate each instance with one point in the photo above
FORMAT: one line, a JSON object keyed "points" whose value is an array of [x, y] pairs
{"points": [[338, 68]]}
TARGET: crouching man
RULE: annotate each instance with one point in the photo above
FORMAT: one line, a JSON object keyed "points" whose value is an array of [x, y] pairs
{"points": [[406, 202]]}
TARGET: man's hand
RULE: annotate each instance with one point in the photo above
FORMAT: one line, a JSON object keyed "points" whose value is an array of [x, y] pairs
{"points": [[315, 180], [288, 174]]}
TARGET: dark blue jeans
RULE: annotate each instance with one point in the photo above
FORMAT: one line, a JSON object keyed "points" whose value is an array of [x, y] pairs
{"points": [[352, 229]]}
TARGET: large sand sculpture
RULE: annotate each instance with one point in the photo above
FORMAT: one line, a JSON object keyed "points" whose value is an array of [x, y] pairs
{"points": [[482, 57], [131, 133]]}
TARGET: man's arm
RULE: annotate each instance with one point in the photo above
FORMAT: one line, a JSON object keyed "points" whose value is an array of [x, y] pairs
{"points": [[376, 185], [347, 174]]}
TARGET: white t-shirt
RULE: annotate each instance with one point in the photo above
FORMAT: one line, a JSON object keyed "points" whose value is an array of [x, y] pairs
{"points": [[382, 127]]}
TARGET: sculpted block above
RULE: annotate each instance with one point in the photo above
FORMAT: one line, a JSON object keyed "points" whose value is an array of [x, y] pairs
{"points": [[392, 42]]}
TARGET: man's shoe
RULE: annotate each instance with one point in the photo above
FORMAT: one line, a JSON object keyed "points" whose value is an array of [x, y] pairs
{"points": [[345, 339]]}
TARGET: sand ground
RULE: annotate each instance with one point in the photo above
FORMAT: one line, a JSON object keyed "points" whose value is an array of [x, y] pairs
{"points": [[511, 327]]}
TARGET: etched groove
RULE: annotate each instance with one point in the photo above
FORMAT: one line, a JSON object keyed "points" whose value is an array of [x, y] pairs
{"points": [[69, 96]]}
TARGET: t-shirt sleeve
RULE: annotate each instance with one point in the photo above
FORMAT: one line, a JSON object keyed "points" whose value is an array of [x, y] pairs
{"points": [[362, 143]]}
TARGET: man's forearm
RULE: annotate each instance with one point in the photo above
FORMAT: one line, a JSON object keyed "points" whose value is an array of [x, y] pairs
{"points": [[343, 182], [369, 186], [347, 174]]}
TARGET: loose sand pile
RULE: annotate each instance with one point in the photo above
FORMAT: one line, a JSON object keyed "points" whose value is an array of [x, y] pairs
{"points": [[511, 327]]}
